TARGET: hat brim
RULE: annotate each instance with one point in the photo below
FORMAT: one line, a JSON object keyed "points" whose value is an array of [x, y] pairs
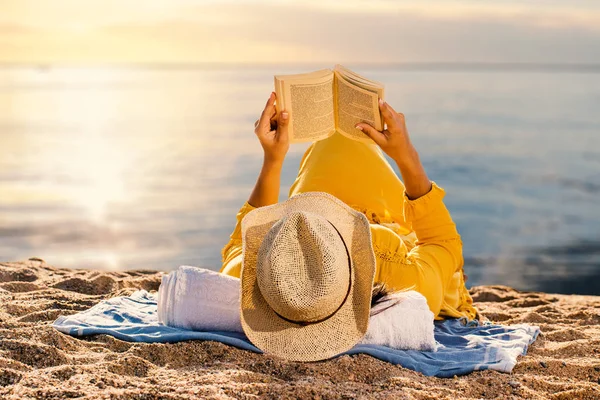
{"points": [[348, 325]]}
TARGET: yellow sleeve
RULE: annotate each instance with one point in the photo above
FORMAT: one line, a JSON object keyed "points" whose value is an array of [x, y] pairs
{"points": [[437, 255], [232, 252]]}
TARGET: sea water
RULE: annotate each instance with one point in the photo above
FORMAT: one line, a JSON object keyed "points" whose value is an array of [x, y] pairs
{"points": [[128, 168]]}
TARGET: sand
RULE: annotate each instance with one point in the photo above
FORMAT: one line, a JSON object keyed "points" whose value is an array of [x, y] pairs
{"points": [[37, 361]]}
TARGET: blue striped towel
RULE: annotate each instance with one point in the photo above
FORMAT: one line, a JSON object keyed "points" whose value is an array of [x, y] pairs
{"points": [[462, 348]]}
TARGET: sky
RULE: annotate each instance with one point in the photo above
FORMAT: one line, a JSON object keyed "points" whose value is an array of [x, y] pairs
{"points": [[227, 31]]}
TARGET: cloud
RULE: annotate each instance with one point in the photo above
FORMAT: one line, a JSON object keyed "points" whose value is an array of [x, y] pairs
{"points": [[321, 32]]}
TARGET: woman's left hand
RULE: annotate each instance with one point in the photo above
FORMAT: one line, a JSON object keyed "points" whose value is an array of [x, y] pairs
{"points": [[272, 132]]}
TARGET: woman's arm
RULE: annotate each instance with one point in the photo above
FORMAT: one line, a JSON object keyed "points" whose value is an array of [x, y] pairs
{"points": [[432, 263], [272, 132], [266, 190], [273, 136]]}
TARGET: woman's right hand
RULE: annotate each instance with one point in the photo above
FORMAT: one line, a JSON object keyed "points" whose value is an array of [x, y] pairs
{"points": [[394, 140]]}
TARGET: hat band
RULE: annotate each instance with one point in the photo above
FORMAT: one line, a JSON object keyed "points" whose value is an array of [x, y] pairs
{"points": [[305, 323]]}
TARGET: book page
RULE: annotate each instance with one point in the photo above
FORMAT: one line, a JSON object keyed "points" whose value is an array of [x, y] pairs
{"points": [[354, 105], [360, 81], [309, 100]]}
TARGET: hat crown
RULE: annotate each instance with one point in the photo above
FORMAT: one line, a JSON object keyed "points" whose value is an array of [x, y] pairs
{"points": [[303, 267]]}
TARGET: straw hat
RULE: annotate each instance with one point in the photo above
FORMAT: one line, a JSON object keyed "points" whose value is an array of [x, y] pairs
{"points": [[308, 269]]}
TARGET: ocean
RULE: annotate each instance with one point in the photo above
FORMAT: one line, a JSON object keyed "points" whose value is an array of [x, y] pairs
{"points": [[145, 168]]}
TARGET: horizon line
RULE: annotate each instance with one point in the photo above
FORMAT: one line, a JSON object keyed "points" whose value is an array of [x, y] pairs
{"points": [[422, 66]]}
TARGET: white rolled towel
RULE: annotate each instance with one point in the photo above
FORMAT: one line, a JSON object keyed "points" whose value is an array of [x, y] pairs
{"points": [[199, 299]]}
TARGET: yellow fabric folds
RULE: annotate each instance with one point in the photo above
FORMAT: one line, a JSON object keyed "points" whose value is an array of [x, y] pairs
{"points": [[415, 241]]}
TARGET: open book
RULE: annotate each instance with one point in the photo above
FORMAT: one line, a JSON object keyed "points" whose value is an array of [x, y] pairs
{"points": [[322, 102]]}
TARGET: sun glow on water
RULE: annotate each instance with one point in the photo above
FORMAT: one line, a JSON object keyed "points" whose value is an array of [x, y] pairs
{"points": [[101, 170], [93, 158]]}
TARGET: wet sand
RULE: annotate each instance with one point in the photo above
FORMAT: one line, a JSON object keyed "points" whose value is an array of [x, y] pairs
{"points": [[36, 361]]}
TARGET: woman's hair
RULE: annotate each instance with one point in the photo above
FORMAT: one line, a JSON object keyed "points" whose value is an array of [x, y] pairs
{"points": [[380, 290], [379, 295]]}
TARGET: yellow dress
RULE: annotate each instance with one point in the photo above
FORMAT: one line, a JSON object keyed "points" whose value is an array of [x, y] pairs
{"points": [[416, 243]]}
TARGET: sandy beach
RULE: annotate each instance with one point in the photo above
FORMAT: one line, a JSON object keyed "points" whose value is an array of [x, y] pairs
{"points": [[36, 361]]}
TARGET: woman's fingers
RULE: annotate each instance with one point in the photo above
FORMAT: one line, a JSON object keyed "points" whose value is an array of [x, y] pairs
{"points": [[388, 113], [387, 106], [265, 117], [378, 137], [282, 124], [398, 117]]}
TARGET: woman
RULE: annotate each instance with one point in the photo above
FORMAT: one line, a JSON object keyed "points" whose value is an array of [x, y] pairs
{"points": [[415, 241]]}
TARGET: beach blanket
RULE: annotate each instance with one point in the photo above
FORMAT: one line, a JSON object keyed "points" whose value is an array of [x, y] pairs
{"points": [[462, 347]]}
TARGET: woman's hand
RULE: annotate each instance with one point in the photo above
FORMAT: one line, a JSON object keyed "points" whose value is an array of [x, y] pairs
{"points": [[394, 141], [272, 132]]}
